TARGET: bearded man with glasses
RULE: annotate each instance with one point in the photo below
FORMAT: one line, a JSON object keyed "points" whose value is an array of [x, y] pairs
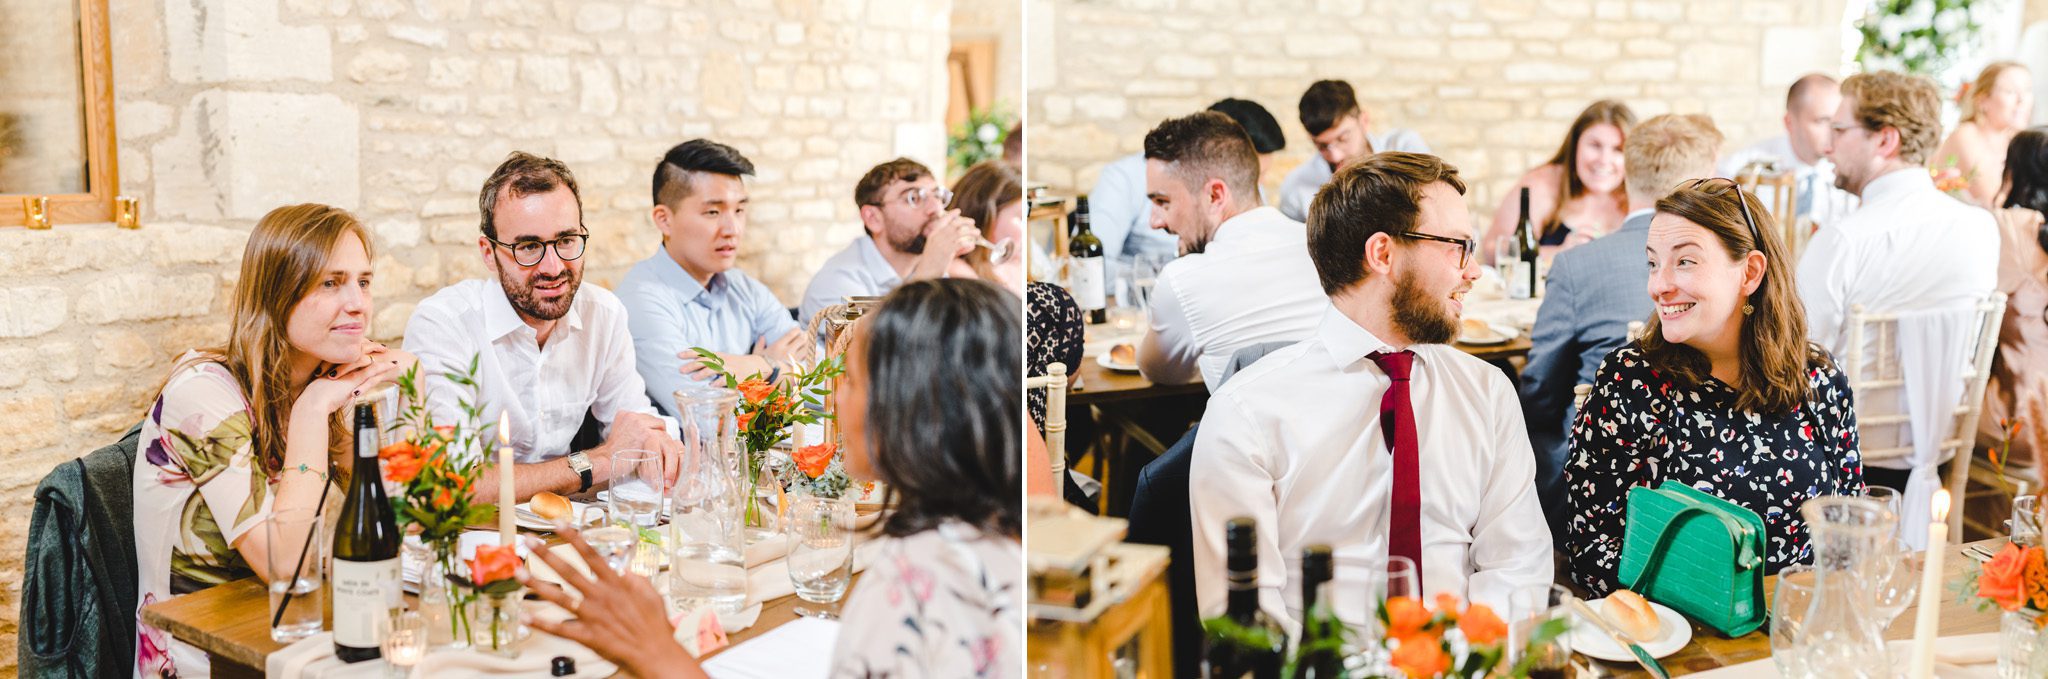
{"points": [[909, 235], [553, 356]]}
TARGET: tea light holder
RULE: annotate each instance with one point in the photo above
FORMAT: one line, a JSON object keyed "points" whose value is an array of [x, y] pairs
{"points": [[36, 212], [127, 212]]}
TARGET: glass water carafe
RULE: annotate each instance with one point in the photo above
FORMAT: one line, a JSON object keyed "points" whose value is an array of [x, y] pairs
{"points": [[1842, 634], [707, 533]]}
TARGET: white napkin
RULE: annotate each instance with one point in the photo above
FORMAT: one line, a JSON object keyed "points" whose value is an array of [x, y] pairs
{"points": [[313, 657], [799, 649]]}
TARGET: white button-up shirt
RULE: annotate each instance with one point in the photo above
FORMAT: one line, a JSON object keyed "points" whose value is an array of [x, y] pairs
{"points": [[1253, 283], [1910, 247], [857, 271], [1300, 186], [587, 365], [1815, 195], [1295, 441]]}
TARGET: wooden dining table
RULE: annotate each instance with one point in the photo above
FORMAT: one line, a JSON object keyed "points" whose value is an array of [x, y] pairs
{"points": [[231, 623], [1708, 650]]}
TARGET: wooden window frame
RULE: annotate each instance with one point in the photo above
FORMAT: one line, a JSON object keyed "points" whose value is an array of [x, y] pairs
{"points": [[102, 181]]}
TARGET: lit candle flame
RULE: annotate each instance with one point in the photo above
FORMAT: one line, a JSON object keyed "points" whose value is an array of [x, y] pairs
{"points": [[504, 434], [1941, 505]]}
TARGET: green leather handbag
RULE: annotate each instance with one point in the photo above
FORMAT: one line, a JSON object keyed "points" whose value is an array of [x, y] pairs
{"points": [[1699, 554]]}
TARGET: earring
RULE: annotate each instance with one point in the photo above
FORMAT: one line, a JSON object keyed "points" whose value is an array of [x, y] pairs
{"points": [[1747, 309]]}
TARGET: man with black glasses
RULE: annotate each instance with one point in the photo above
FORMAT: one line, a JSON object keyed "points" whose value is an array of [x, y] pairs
{"points": [[550, 353], [1373, 435], [690, 294], [909, 235]]}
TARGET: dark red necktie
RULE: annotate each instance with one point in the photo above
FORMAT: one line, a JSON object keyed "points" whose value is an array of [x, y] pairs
{"points": [[1397, 422]]}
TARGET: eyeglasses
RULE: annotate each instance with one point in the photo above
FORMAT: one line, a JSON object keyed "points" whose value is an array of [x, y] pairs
{"points": [[1465, 245], [530, 252], [1756, 237], [916, 197]]}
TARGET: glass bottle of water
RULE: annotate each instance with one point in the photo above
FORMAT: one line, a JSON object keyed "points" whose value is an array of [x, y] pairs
{"points": [[707, 532]]}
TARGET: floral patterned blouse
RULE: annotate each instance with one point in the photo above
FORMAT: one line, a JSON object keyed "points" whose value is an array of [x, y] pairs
{"points": [[1640, 427], [196, 493], [947, 602]]}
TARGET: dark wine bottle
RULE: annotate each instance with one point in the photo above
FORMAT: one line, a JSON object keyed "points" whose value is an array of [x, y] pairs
{"points": [[1317, 653], [366, 543], [1244, 642], [1086, 272], [1531, 245]]}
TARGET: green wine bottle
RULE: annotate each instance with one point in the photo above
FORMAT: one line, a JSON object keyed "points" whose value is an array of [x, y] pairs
{"points": [[366, 539]]}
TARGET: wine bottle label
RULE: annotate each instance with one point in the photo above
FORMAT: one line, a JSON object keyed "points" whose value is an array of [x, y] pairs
{"points": [[1087, 280], [359, 597]]}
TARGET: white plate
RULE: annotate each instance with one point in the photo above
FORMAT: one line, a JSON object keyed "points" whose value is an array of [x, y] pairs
{"points": [[1673, 633], [1103, 360], [525, 518], [1503, 334]]}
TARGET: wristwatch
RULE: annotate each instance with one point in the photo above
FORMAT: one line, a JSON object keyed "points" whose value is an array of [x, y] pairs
{"points": [[581, 463]]}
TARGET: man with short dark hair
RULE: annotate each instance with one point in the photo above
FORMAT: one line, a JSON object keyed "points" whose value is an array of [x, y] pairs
{"points": [[549, 351], [1372, 435], [1121, 215], [1809, 110], [1244, 276], [690, 294], [1342, 132], [910, 235], [1594, 290]]}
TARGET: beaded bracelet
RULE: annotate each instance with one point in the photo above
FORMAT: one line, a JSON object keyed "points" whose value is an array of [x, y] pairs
{"points": [[309, 469]]}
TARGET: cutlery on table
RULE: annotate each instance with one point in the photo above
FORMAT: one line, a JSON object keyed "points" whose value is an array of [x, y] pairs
{"points": [[1642, 657]]}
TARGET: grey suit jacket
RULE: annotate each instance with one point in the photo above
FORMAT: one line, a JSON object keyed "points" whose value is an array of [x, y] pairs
{"points": [[1593, 292]]}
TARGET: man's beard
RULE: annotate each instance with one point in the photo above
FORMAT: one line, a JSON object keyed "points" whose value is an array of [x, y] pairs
{"points": [[520, 294], [913, 243], [1419, 315]]}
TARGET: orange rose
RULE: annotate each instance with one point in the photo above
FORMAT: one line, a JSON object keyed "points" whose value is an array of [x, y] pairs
{"points": [[1421, 655], [1482, 626], [745, 418], [442, 500], [813, 460], [755, 390], [2000, 579], [401, 467], [493, 563], [1405, 616], [1447, 605]]}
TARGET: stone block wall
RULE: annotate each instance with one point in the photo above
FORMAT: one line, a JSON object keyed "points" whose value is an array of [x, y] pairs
{"points": [[398, 110], [1491, 85]]}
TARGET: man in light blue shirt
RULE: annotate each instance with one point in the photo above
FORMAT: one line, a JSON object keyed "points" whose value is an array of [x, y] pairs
{"points": [[1121, 215], [688, 295]]}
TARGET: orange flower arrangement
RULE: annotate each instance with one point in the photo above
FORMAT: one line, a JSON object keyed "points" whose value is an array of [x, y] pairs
{"points": [[1421, 655], [1415, 633], [1481, 626], [1405, 616], [2002, 578]]}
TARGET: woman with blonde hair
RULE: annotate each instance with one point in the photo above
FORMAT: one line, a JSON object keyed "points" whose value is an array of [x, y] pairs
{"points": [[1723, 393], [992, 194], [253, 427], [1996, 107], [1579, 194]]}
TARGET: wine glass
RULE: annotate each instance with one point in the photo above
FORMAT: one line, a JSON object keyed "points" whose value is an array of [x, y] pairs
{"points": [[820, 547], [1789, 608], [1529, 610], [2026, 520], [999, 251], [1898, 580], [639, 491]]}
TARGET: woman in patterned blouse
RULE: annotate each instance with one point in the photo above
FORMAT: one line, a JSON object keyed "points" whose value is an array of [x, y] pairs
{"points": [[248, 429], [930, 405], [1723, 392]]}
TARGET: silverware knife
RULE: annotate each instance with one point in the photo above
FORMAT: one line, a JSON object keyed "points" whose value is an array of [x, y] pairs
{"points": [[1642, 657]]}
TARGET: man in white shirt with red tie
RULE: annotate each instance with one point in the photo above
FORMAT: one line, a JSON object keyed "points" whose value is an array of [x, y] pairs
{"points": [[1373, 435]]}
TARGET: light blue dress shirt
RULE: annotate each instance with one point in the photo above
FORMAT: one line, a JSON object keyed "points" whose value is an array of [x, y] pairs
{"points": [[857, 271], [668, 313], [1121, 215]]}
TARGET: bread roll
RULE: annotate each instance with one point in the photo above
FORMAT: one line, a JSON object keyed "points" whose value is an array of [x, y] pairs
{"points": [[1632, 614], [550, 506], [1474, 329], [1123, 354]]}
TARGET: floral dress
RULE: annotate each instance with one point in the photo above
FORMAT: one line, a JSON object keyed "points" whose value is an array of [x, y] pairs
{"points": [[946, 602], [1056, 333], [196, 494], [1641, 427]]}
